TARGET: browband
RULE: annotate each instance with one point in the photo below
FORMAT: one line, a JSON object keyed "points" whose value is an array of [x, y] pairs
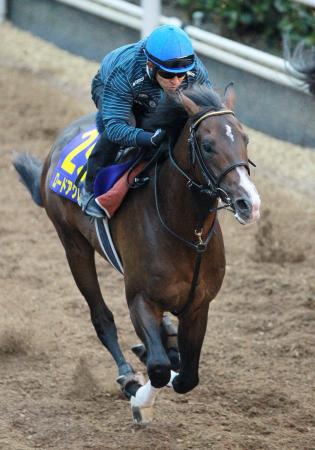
{"points": [[209, 114]]}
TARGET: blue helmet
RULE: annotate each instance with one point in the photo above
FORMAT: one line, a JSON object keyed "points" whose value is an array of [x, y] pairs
{"points": [[169, 48]]}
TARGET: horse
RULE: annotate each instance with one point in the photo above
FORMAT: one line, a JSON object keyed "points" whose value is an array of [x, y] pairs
{"points": [[167, 235]]}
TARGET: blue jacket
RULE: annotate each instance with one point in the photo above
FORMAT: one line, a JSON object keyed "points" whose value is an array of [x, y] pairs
{"points": [[127, 87]]}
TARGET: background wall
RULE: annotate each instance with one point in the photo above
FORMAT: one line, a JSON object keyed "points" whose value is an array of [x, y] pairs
{"points": [[274, 109], [71, 29]]}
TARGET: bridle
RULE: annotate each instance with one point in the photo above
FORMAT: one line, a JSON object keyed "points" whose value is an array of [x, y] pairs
{"points": [[211, 188], [212, 182]]}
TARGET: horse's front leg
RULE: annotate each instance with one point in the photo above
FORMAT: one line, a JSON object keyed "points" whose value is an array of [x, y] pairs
{"points": [[191, 331], [147, 318]]}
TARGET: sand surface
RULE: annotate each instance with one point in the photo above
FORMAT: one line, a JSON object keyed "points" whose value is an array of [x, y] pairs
{"points": [[57, 383]]}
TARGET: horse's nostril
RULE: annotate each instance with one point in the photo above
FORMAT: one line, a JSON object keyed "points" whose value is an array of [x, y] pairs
{"points": [[242, 204]]}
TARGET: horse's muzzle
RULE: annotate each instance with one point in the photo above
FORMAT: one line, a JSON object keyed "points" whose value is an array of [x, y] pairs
{"points": [[245, 199], [247, 210]]}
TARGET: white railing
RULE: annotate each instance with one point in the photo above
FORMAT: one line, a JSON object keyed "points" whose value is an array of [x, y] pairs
{"points": [[208, 44], [243, 57], [310, 3], [117, 11], [3, 10]]}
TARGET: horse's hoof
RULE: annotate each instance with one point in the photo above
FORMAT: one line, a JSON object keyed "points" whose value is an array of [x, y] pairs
{"points": [[182, 387], [141, 415]]}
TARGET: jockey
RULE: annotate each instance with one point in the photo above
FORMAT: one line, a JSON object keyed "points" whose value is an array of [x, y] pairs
{"points": [[129, 84]]}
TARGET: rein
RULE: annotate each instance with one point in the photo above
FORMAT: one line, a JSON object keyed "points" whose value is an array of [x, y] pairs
{"points": [[199, 248], [212, 188]]}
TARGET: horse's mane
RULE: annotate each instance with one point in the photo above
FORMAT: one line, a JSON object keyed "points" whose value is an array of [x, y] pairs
{"points": [[170, 113]]}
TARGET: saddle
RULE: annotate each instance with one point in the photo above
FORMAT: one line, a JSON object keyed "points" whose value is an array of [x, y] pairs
{"points": [[113, 182], [129, 170]]}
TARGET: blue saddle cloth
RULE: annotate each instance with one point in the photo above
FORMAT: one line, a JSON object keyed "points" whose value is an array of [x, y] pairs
{"points": [[73, 158], [107, 177]]}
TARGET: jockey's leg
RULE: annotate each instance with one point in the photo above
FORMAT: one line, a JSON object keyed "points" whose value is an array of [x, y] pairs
{"points": [[103, 154], [147, 317]]}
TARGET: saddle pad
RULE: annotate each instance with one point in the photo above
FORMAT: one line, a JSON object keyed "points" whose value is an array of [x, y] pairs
{"points": [[73, 157], [108, 176], [111, 200], [106, 243]]}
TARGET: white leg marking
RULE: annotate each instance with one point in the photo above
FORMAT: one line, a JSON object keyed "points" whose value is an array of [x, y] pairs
{"points": [[173, 375], [145, 395], [142, 404]]}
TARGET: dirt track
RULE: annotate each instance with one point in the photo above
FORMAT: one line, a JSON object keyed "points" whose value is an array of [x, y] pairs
{"points": [[57, 384]]}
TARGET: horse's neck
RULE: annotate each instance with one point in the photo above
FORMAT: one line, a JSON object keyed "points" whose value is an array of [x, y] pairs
{"points": [[183, 208]]}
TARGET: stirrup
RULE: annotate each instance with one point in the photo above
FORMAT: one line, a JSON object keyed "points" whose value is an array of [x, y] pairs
{"points": [[90, 207]]}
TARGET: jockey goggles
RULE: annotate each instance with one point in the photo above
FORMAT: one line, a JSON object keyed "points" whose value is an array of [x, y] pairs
{"points": [[175, 64]]}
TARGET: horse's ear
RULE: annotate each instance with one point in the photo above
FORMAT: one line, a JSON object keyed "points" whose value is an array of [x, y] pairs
{"points": [[190, 106], [229, 96]]}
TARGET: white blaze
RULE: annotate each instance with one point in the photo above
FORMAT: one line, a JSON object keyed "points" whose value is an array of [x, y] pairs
{"points": [[229, 132], [251, 191]]}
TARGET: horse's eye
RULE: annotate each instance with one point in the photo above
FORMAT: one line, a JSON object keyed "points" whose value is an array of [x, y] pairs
{"points": [[207, 147]]}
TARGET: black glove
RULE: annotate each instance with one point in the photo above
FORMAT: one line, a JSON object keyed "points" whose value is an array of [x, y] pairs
{"points": [[147, 139], [158, 137]]}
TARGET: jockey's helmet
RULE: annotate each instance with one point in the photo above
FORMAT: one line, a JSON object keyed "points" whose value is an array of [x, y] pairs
{"points": [[169, 48]]}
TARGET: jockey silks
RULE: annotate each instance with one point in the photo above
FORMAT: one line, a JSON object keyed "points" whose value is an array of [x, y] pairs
{"points": [[123, 88]]}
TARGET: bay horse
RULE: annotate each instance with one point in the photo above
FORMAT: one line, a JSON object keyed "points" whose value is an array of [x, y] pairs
{"points": [[167, 235]]}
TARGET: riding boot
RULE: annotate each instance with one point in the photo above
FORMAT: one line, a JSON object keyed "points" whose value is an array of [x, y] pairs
{"points": [[103, 154]]}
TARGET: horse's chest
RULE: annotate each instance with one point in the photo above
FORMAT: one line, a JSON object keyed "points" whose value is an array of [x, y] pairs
{"points": [[173, 289]]}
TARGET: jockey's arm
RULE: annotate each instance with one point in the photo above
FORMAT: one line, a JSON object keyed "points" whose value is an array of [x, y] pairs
{"points": [[117, 106]]}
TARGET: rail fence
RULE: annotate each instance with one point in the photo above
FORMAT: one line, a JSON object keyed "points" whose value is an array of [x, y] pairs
{"points": [[225, 50]]}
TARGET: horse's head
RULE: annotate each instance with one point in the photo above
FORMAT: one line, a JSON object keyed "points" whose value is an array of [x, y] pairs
{"points": [[218, 150]]}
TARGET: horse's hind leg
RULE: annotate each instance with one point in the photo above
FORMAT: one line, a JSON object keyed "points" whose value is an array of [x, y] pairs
{"points": [[147, 318], [80, 255], [169, 339]]}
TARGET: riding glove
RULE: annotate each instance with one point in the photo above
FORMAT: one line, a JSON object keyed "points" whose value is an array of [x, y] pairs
{"points": [[147, 139]]}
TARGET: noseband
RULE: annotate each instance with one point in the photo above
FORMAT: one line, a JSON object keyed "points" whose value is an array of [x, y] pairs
{"points": [[212, 186]]}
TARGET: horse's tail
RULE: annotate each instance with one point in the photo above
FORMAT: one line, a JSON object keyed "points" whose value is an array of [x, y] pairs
{"points": [[30, 169]]}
